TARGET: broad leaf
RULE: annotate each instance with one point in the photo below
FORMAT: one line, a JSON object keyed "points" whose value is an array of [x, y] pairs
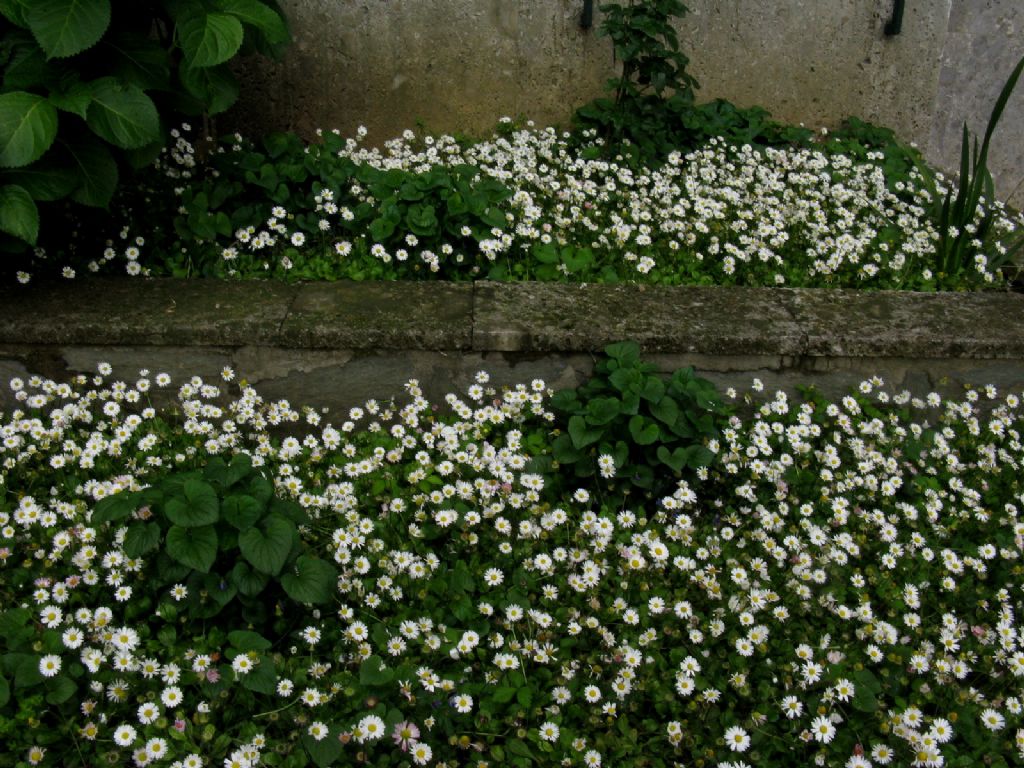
{"points": [[66, 27], [75, 99], [28, 69], [210, 39], [199, 507], [122, 114], [214, 88], [242, 511], [5, 691], [312, 581], [258, 15], [28, 126], [60, 689], [249, 582], [644, 431], [96, 170], [117, 506], [194, 547], [676, 459], [138, 60], [246, 641], [374, 672], [14, 11], [325, 751], [18, 213], [583, 435], [141, 538], [267, 546]]}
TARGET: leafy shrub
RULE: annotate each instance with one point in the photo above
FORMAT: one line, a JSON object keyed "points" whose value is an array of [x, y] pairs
{"points": [[640, 433], [88, 84]]}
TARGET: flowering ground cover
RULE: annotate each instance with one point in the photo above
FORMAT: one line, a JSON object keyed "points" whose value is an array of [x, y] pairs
{"points": [[229, 581], [533, 204]]}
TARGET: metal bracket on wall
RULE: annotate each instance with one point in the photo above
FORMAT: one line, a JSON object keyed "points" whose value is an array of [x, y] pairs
{"points": [[587, 16], [895, 25]]}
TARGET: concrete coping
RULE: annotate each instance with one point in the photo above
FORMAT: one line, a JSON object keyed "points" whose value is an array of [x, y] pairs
{"points": [[514, 317]]}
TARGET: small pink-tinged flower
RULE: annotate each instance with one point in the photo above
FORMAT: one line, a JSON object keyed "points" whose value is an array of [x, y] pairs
{"points": [[179, 726], [405, 735], [212, 675]]}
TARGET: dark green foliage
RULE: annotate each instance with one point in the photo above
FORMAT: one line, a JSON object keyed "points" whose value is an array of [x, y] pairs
{"points": [[88, 85], [224, 535], [656, 430]]}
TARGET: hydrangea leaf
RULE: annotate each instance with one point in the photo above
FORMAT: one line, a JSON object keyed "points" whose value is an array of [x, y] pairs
{"points": [[96, 172], [209, 39], [18, 213], [66, 27], [28, 126], [122, 114]]}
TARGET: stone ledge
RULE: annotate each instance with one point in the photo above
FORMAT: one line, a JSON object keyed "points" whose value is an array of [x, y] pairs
{"points": [[528, 318]]}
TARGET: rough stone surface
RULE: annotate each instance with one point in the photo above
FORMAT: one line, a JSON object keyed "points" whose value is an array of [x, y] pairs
{"points": [[375, 315], [849, 323], [141, 311], [336, 346], [551, 317], [985, 42]]}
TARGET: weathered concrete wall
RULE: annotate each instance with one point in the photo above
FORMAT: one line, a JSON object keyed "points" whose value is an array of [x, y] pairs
{"points": [[336, 345], [984, 43], [459, 65]]}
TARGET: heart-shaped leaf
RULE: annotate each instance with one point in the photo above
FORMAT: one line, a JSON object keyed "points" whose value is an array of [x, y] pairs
{"points": [[267, 546], [242, 511], [644, 431], [193, 547], [312, 581], [198, 507]]}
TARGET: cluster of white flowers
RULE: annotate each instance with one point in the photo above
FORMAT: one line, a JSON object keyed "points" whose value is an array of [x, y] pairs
{"points": [[849, 566]]}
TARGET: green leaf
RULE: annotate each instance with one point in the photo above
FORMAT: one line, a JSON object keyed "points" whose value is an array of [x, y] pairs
{"points": [[138, 60], [215, 88], [504, 694], [524, 696], [27, 68], [373, 672], [199, 507], [644, 431], [5, 691], [312, 581], [267, 545], [111, 508], [141, 538], [122, 114], [263, 679], [194, 547], [602, 410], [257, 15], [520, 748], [18, 213], [209, 39], [75, 99], [583, 435], [249, 582], [66, 27], [242, 511], [653, 388], [626, 352], [246, 641], [325, 751], [28, 126], [60, 689], [96, 170], [14, 626], [665, 410], [676, 459], [14, 11]]}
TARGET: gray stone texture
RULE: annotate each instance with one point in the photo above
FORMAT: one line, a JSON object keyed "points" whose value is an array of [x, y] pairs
{"points": [[317, 345], [984, 43]]}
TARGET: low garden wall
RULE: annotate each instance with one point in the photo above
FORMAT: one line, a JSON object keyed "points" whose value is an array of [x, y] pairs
{"points": [[335, 345]]}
